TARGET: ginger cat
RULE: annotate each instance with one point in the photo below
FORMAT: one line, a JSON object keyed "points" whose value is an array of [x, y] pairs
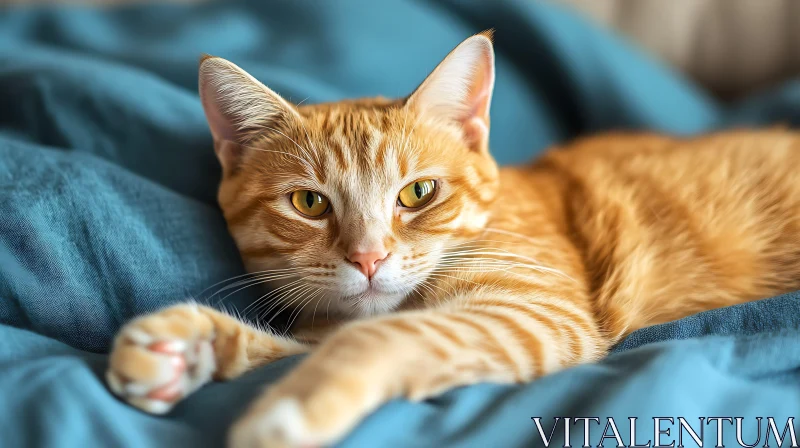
{"points": [[445, 270]]}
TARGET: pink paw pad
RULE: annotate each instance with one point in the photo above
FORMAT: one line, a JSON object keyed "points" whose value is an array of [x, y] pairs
{"points": [[172, 391]]}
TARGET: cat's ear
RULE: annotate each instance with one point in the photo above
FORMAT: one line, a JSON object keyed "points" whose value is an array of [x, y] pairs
{"points": [[459, 90], [237, 107]]}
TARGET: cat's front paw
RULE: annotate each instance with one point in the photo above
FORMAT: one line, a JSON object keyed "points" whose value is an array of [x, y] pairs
{"points": [[287, 423], [282, 425], [161, 358], [304, 411]]}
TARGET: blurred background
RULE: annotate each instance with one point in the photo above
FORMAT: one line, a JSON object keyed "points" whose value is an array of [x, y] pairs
{"points": [[730, 47]]}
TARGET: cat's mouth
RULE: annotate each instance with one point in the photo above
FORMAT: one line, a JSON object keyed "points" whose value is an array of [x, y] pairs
{"points": [[371, 302], [375, 295], [371, 291]]}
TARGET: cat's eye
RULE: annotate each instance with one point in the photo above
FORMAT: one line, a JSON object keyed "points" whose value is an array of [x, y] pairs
{"points": [[417, 194], [310, 203]]}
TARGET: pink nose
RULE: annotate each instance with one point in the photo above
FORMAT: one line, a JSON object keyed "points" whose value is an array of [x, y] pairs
{"points": [[367, 262]]}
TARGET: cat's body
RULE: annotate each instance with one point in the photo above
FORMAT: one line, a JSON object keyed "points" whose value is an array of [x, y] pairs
{"points": [[667, 227], [445, 270]]}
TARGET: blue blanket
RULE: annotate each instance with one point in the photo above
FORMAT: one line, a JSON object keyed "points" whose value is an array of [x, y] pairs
{"points": [[107, 210]]}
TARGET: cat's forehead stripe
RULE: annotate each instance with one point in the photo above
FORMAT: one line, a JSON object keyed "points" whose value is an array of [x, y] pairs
{"points": [[360, 134]]}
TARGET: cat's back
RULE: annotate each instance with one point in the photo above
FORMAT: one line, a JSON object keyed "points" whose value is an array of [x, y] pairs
{"points": [[727, 174], [673, 157], [709, 218]]}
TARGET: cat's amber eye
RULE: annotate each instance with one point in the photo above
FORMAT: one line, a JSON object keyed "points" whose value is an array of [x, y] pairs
{"points": [[417, 194], [310, 203]]}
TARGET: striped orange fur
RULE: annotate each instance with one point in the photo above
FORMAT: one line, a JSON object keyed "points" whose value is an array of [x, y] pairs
{"points": [[504, 275]]}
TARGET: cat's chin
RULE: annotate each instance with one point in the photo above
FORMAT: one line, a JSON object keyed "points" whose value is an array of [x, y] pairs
{"points": [[370, 303]]}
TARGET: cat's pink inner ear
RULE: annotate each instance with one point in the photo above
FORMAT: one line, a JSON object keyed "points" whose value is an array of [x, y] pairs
{"points": [[460, 89], [215, 85], [237, 106]]}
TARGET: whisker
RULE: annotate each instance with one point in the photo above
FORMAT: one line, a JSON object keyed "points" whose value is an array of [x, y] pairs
{"points": [[261, 301], [280, 292], [314, 313], [328, 311], [246, 274], [508, 270], [250, 283], [300, 298], [437, 274], [515, 234], [505, 253], [300, 308], [506, 265], [297, 295], [440, 298]]}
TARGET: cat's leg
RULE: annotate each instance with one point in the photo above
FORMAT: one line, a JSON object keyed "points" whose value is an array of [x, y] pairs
{"points": [[160, 358], [417, 354]]}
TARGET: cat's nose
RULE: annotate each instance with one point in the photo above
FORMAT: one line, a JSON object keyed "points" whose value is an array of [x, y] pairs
{"points": [[367, 262]]}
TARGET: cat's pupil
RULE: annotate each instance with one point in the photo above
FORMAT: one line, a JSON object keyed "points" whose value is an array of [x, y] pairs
{"points": [[309, 199], [418, 190]]}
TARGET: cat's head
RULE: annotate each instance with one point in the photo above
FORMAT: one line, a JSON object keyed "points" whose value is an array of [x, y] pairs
{"points": [[352, 205]]}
